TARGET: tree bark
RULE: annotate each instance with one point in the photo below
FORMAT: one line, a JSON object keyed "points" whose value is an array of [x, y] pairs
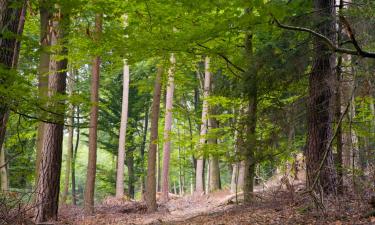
{"points": [[74, 159], [214, 181], [12, 19], [91, 166], [249, 147], [199, 186], [130, 165], [122, 138], [43, 70], [150, 195], [167, 130], [320, 106], [3, 171], [142, 149], [48, 187], [69, 155]]}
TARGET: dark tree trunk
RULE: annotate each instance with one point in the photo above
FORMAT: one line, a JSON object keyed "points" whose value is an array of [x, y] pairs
{"points": [[143, 146], [12, 20], [130, 165], [320, 106], [74, 159], [150, 195], [48, 187], [93, 131]]}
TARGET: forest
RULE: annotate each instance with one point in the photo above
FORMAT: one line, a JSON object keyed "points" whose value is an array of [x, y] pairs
{"points": [[187, 112]]}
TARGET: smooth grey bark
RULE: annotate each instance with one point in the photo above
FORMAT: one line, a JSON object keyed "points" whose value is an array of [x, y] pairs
{"points": [[122, 136], [167, 131], [199, 183]]}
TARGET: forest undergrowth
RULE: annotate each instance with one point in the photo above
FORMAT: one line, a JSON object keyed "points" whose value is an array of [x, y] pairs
{"points": [[275, 202]]}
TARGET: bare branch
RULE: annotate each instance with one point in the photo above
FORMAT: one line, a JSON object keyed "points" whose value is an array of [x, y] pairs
{"points": [[328, 42]]}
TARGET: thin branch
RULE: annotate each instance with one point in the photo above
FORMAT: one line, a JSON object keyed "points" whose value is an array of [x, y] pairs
{"points": [[328, 42], [223, 57]]}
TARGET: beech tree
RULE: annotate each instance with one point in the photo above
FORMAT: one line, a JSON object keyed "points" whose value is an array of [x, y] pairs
{"points": [[167, 130], [122, 138], [199, 188], [91, 165]]}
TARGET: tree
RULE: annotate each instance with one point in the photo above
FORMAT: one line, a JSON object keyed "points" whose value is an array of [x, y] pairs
{"points": [[150, 194], [70, 149], [12, 19], [43, 70], [122, 138], [167, 130], [91, 165], [199, 188], [48, 186], [3, 171], [319, 160], [214, 181], [251, 94]]}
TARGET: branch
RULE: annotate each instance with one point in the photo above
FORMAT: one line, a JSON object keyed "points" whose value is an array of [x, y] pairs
{"points": [[224, 57], [328, 42]]}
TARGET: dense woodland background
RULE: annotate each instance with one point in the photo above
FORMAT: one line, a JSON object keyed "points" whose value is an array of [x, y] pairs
{"points": [[147, 99]]}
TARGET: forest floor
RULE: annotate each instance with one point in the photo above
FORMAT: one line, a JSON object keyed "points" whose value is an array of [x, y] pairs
{"points": [[274, 205]]}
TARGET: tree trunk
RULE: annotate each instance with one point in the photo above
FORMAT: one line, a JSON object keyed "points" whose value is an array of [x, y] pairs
{"points": [[320, 105], [143, 146], [3, 170], [249, 147], [122, 138], [74, 159], [70, 143], [48, 187], [338, 113], [12, 19], [199, 186], [91, 166], [45, 16], [150, 194], [130, 165], [167, 130], [214, 181]]}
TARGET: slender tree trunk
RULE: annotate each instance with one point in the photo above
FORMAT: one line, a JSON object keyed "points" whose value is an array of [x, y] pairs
{"points": [[43, 70], [70, 144], [167, 130], [320, 105], [151, 179], [143, 146], [338, 113], [251, 120], [130, 165], [3, 170], [122, 138], [12, 19], [180, 179], [214, 182], [48, 187], [91, 166], [199, 186], [74, 159], [158, 168]]}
